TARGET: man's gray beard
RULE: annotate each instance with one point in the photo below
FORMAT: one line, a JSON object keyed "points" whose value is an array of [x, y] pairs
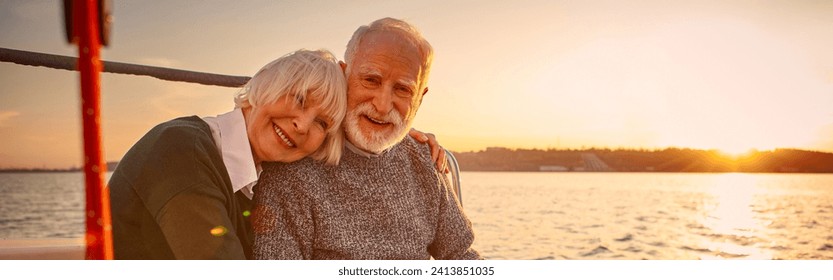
{"points": [[377, 142]]}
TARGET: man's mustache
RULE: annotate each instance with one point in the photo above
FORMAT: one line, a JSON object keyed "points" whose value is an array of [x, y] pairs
{"points": [[367, 109]]}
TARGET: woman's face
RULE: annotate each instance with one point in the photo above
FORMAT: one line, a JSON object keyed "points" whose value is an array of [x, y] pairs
{"points": [[287, 130]]}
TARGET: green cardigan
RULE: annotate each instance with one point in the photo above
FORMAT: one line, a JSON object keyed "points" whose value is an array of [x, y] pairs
{"points": [[172, 198]]}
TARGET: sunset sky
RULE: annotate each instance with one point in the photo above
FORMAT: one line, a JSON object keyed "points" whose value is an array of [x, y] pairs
{"points": [[729, 75]]}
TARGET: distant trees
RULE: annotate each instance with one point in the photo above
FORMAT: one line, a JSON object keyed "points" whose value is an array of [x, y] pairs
{"points": [[631, 160]]}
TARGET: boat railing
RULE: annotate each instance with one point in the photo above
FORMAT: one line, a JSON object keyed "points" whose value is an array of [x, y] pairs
{"points": [[454, 170], [169, 74]]}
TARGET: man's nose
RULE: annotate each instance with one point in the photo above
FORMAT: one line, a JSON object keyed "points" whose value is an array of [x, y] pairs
{"points": [[383, 102]]}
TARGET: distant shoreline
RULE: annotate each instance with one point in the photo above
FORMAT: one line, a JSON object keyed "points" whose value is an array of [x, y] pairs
{"points": [[670, 160], [39, 170], [110, 167]]}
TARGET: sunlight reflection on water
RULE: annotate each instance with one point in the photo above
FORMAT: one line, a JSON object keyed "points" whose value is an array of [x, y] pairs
{"points": [[730, 213], [650, 215]]}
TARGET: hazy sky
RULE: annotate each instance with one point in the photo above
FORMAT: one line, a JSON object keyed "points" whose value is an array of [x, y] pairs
{"points": [[730, 75]]}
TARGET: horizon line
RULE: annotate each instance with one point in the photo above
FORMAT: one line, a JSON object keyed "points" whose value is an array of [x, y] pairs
{"points": [[108, 162]]}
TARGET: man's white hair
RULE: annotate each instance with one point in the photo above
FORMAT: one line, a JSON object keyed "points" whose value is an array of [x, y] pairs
{"points": [[403, 28]]}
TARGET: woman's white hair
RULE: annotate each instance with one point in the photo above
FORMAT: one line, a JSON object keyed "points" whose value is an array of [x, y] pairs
{"points": [[407, 30], [311, 75]]}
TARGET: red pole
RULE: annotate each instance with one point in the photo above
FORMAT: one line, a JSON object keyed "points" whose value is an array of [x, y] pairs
{"points": [[99, 236]]}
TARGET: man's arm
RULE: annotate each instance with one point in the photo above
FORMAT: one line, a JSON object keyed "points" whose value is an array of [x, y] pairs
{"points": [[454, 232]]}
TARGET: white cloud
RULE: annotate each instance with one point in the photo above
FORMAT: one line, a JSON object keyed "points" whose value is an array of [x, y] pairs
{"points": [[6, 116]]}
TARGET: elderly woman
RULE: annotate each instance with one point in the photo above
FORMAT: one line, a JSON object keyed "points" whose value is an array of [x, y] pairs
{"points": [[184, 190]]}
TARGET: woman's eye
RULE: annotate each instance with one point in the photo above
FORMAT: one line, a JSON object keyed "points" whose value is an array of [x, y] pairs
{"points": [[322, 123]]}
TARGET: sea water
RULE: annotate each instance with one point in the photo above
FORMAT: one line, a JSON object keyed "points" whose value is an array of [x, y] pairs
{"points": [[559, 215], [650, 215]]}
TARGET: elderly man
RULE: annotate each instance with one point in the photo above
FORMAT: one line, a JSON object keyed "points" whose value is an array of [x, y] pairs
{"points": [[384, 200]]}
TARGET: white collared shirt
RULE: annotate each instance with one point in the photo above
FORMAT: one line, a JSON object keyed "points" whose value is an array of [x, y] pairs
{"points": [[229, 133]]}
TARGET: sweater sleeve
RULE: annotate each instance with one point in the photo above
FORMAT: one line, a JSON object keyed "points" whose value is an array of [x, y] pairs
{"points": [[196, 225], [454, 235], [283, 220]]}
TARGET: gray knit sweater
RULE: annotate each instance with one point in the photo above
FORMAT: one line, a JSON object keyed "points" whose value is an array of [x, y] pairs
{"points": [[391, 206]]}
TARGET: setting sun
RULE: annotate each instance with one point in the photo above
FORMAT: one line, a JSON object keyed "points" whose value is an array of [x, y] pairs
{"points": [[736, 152]]}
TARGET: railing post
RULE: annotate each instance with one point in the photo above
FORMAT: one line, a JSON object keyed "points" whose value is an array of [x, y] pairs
{"points": [[85, 22]]}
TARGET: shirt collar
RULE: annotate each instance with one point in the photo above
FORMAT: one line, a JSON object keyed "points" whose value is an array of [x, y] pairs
{"points": [[361, 152], [236, 151]]}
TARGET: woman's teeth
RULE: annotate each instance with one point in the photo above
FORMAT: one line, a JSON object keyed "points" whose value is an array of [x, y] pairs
{"points": [[283, 137]]}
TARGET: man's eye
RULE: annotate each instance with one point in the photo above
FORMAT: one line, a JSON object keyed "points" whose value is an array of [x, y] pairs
{"points": [[371, 81], [404, 91]]}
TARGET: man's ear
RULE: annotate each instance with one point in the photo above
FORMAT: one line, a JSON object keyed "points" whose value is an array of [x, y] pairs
{"points": [[343, 66], [424, 92]]}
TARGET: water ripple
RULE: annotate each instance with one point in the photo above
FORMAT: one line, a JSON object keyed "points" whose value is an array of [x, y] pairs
{"points": [[598, 250], [699, 250], [627, 237], [826, 247]]}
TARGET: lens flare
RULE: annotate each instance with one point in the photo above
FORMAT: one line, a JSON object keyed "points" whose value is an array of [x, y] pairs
{"points": [[219, 231]]}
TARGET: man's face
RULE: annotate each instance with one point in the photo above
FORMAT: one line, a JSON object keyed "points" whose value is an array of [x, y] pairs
{"points": [[382, 91]]}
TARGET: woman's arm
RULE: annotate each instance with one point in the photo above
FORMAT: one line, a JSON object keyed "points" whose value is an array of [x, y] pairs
{"points": [[196, 225], [437, 151]]}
